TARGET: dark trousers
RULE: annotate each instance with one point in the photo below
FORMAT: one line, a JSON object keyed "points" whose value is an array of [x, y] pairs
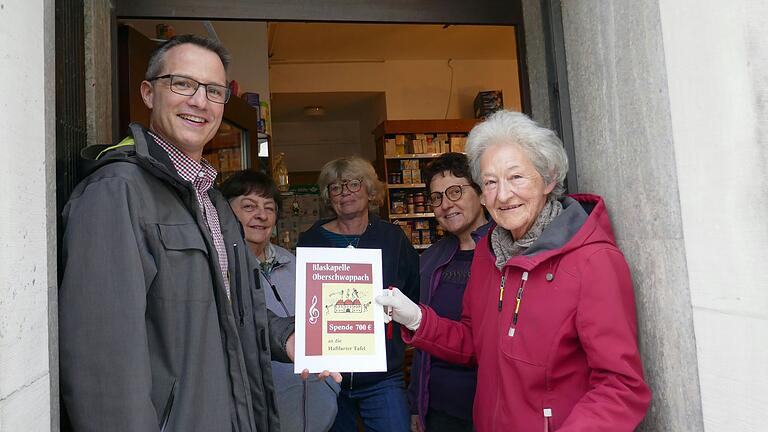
{"points": [[438, 421]]}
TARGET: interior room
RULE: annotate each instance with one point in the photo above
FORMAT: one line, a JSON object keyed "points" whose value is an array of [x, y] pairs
{"points": [[329, 90]]}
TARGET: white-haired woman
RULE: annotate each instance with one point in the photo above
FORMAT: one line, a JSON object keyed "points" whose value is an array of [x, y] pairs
{"points": [[549, 312], [350, 187]]}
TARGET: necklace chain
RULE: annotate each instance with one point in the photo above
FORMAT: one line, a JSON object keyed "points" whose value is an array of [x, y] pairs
{"points": [[355, 239]]}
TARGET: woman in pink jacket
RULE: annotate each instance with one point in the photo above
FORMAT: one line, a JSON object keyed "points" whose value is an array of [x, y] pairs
{"points": [[549, 311]]}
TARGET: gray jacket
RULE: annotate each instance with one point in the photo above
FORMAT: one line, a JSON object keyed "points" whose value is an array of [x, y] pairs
{"points": [[148, 339], [280, 289]]}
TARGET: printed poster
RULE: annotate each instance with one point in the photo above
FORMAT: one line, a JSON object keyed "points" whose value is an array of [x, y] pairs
{"points": [[339, 327]]}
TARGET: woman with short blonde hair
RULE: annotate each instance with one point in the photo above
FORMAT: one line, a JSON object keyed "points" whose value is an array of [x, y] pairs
{"points": [[350, 187], [352, 167]]}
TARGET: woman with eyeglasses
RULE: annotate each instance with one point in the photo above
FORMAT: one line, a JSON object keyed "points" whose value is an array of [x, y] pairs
{"points": [[549, 311], [440, 393], [350, 187]]}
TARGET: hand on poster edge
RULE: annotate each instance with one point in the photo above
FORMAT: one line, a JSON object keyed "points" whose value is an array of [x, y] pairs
{"points": [[290, 348]]}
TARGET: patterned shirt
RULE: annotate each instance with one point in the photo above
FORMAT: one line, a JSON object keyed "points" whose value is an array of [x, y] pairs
{"points": [[201, 175]]}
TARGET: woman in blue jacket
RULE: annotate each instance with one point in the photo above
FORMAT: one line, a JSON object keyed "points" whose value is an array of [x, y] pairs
{"points": [[440, 393], [350, 187]]}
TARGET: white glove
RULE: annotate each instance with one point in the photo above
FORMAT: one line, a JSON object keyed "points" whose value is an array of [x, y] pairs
{"points": [[403, 310]]}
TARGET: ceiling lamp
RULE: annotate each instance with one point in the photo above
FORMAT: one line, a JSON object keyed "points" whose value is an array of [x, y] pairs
{"points": [[314, 111]]}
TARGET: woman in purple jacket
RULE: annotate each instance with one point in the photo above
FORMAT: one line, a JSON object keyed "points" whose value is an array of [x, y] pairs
{"points": [[440, 393]]}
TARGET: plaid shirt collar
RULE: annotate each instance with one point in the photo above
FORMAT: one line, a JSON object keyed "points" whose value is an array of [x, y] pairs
{"points": [[201, 174]]}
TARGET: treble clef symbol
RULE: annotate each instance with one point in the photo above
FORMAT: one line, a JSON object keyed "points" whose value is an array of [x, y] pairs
{"points": [[313, 312]]}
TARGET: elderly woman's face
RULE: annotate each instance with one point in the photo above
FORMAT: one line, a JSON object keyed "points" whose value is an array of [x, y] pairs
{"points": [[349, 197], [513, 191], [258, 215]]}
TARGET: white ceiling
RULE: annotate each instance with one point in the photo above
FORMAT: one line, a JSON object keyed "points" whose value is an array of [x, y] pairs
{"points": [[296, 42]]}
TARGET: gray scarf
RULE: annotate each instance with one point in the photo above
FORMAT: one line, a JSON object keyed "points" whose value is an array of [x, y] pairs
{"points": [[505, 246]]}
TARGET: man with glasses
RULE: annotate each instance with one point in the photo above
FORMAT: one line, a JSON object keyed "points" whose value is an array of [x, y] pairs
{"points": [[163, 326]]}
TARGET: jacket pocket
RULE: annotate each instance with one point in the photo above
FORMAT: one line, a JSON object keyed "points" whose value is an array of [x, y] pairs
{"points": [[184, 267], [183, 237], [519, 346]]}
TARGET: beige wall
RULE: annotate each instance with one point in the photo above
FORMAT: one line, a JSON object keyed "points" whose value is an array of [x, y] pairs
{"points": [[414, 89]]}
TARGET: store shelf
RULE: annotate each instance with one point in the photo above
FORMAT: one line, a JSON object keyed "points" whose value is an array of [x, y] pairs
{"points": [[406, 186], [404, 149], [414, 156], [391, 127], [410, 215]]}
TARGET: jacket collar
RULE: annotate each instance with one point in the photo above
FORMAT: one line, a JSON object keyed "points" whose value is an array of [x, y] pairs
{"points": [[453, 241], [138, 148]]}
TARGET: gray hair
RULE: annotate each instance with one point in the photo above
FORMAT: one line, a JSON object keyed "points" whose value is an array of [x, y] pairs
{"points": [[351, 167], [541, 145], [156, 60]]}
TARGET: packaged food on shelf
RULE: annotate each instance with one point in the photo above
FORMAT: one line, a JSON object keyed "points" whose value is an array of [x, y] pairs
{"points": [[431, 147], [400, 144], [426, 237], [488, 102], [416, 175], [458, 143], [390, 149], [416, 237], [407, 176], [418, 146], [404, 149], [406, 226], [397, 203]]}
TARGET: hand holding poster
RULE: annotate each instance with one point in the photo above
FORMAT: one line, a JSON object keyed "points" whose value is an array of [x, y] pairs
{"points": [[338, 325]]}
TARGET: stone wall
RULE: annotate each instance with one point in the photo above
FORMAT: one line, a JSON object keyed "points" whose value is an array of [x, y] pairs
{"points": [[625, 152], [28, 350], [717, 72]]}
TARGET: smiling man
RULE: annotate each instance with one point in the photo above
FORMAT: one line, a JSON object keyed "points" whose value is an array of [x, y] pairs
{"points": [[163, 327]]}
